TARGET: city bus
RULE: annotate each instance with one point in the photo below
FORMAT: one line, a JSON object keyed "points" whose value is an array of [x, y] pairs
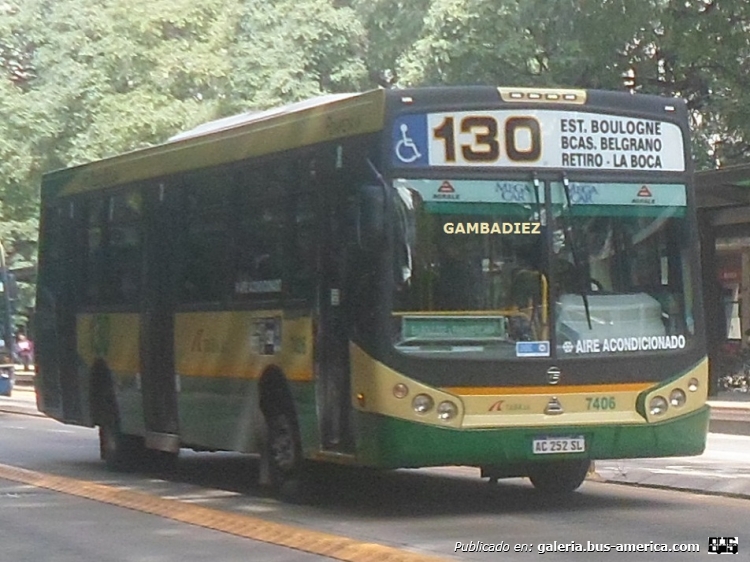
{"points": [[503, 278]]}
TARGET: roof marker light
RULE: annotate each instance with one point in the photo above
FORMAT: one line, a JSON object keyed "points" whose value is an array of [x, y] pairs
{"points": [[542, 95]]}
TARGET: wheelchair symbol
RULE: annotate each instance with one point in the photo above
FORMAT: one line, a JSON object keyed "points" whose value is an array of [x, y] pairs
{"points": [[406, 149]]}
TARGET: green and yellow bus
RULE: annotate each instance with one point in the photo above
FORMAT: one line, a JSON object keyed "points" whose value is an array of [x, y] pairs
{"points": [[504, 278]]}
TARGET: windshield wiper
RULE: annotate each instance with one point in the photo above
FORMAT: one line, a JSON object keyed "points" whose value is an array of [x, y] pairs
{"points": [[578, 266], [536, 183]]}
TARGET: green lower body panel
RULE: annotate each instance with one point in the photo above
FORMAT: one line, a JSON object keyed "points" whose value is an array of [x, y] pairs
{"points": [[222, 413], [394, 443]]}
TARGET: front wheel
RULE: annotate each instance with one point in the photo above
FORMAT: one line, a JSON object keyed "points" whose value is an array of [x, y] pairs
{"points": [[561, 477]]}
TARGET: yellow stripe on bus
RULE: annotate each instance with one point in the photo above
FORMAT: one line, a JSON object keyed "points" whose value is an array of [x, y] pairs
{"points": [[289, 536]]}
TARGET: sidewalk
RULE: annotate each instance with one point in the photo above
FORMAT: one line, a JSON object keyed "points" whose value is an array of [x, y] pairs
{"points": [[22, 401], [723, 469]]}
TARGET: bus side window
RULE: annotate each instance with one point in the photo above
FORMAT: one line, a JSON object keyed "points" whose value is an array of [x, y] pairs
{"points": [[206, 238], [124, 261], [258, 262], [95, 251], [303, 263]]}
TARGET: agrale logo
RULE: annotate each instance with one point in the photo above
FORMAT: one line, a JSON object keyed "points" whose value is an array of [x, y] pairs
{"points": [[497, 406], [446, 191], [644, 196]]}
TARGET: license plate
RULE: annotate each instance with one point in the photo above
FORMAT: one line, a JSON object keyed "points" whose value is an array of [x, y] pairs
{"points": [[557, 445]]}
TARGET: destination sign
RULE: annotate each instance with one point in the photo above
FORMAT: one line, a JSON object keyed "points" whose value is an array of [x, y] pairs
{"points": [[536, 139]]}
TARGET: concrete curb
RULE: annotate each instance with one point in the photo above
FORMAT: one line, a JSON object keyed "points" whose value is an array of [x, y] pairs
{"points": [[739, 494], [732, 418], [21, 411]]}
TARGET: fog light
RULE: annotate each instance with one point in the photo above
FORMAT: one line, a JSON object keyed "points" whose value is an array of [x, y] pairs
{"points": [[400, 390], [422, 403], [693, 384], [677, 398], [447, 410], [658, 405]]}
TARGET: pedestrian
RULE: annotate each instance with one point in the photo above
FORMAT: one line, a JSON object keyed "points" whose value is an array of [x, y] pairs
{"points": [[24, 349]]}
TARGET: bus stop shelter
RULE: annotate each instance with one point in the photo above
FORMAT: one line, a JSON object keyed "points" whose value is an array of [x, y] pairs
{"points": [[723, 201]]}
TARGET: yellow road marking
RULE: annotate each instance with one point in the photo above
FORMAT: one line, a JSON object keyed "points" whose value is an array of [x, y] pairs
{"points": [[297, 538]]}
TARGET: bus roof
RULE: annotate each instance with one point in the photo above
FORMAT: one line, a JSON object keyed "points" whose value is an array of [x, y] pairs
{"points": [[304, 123], [230, 139], [252, 116]]}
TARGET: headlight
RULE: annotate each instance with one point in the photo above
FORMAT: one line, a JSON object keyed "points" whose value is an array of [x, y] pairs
{"points": [[400, 390], [422, 403], [658, 405], [693, 384], [677, 398], [447, 410]]}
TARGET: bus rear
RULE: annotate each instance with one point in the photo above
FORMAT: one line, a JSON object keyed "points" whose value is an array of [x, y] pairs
{"points": [[538, 301]]}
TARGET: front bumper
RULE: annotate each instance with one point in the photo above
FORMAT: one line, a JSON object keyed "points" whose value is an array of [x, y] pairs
{"points": [[388, 442]]}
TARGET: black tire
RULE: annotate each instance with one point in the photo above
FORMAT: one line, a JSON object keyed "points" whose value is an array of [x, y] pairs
{"points": [[561, 477], [284, 450], [160, 462], [120, 452]]}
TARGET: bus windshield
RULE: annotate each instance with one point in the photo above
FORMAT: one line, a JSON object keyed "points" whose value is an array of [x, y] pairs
{"points": [[478, 274], [469, 266], [621, 268]]}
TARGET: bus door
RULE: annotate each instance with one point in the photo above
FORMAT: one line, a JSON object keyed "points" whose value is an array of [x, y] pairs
{"points": [[158, 381], [59, 297], [333, 387]]}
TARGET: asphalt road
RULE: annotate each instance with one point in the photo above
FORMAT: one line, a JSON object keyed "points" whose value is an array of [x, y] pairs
{"points": [[426, 511], [38, 525]]}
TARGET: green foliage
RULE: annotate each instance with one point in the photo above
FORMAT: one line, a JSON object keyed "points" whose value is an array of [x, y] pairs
{"points": [[694, 49], [290, 50], [86, 80]]}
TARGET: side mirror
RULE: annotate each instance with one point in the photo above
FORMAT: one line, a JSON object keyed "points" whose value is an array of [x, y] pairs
{"points": [[370, 217]]}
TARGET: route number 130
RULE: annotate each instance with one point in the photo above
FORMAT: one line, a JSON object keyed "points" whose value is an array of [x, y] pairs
{"points": [[521, 139]]}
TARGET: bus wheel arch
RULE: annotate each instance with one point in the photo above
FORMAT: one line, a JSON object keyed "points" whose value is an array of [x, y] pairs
{"points": [[102, 400], [282, 450]]}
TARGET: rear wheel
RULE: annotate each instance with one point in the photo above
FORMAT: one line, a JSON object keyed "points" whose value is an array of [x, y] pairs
{"points": [[562, 477], [286, 467], [119, 451]]}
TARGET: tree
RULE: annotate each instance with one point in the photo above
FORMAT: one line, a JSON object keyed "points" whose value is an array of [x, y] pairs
{"points": [[290, 50], [695, 49]]}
